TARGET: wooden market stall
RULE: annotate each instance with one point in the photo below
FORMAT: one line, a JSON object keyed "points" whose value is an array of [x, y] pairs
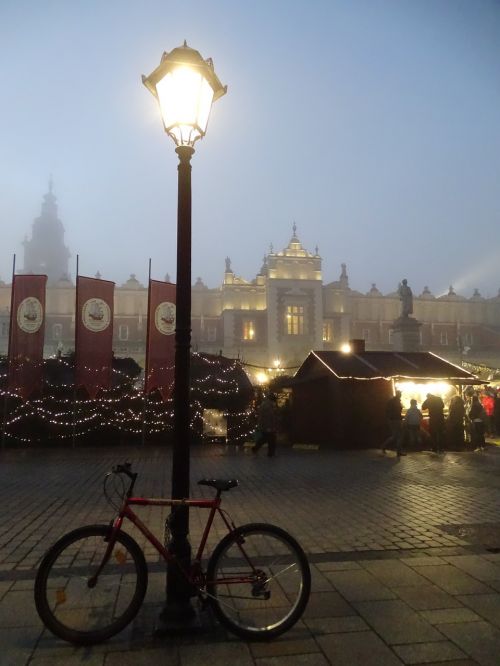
{"points": [[339, 399]]}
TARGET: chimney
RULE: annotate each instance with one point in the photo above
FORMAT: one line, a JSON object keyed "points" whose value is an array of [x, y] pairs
{"points": [[357, 346]]}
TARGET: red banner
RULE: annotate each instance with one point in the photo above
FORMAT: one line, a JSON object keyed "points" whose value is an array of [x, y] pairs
{"points": [[94, 334], [160, 347], [27, 330]]}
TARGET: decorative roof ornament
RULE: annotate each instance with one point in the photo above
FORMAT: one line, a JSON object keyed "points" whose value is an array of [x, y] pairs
{"points": [[427, 293], [98, 275], [344, 279], [294, 229], [271, 248], [199, 284], [49, 205], [228, 265], [316, 250], [167, 277], [451, 291]]}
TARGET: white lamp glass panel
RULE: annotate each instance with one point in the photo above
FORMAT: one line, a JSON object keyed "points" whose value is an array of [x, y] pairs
{"points": [[185, 99], [205, 104]]}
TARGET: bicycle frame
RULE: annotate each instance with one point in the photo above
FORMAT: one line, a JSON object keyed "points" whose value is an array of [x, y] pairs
{"points": [[126, 512]]}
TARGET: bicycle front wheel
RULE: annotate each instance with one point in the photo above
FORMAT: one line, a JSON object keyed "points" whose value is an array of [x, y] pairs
{"points": [[258, 581], [80, 604]]}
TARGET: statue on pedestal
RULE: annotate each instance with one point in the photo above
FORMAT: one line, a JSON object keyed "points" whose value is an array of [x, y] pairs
{"points": [[406, 298]]}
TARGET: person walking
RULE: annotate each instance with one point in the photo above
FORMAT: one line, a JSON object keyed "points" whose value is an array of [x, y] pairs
{"points": [[455, 423], [393, 413], [413, 420], [496, 414], [434, 405], [267, 425], [477, 417]]}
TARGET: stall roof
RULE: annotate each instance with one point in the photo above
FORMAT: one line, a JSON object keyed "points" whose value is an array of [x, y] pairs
{"points": [[364, 365]]}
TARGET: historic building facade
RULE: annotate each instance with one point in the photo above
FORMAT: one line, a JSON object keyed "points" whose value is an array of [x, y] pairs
{"points": [[271, 321]]}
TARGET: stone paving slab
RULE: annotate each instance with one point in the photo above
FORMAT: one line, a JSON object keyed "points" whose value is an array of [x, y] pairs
{"points": [[391, 585], [453, 580], [395, 622], [426, 597], [425, 653], [365, 649], [479, 640], [485, 605]]}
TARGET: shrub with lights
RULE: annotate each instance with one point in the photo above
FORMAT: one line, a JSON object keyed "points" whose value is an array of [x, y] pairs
{"points": [[63, 415]]}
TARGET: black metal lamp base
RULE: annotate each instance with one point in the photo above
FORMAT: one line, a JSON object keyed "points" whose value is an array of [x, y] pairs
{"points": [[180, 619]]}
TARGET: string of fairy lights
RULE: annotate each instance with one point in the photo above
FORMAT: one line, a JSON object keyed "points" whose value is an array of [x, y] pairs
{"points": [[60, 412]]}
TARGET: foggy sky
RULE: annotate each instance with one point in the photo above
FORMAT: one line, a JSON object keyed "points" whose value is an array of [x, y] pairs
{"points": [[374, 125]]}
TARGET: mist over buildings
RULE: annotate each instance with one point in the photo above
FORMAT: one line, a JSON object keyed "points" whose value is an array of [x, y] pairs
{"points": [[373, 126]]}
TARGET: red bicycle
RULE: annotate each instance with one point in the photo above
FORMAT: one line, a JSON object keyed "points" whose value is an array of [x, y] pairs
{"points": [[92, 581]]}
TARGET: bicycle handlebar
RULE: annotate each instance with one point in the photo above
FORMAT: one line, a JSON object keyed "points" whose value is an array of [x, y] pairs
{"points": [[126, 468]]}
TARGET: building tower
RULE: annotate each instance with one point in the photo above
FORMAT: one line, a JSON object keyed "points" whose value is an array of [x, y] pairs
{"points": [[46, 252]]}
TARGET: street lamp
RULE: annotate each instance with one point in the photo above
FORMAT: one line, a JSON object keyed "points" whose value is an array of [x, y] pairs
{"points": [[185, 86]]}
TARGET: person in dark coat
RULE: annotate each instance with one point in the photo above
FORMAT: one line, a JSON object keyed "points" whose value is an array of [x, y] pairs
{"points": [[455, 423], [434, 405], [496, 414], [267, 425], [477, 417], [393, 413]]}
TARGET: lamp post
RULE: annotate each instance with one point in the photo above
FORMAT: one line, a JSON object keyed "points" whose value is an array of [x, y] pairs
{"points": [[185, 86]]}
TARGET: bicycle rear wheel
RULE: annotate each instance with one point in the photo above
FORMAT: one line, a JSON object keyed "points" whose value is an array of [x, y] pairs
{"points": [[78, 608], [259, 581]]}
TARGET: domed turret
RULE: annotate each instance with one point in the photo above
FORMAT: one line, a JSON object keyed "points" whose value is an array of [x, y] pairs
{"points": [[46, 252]]}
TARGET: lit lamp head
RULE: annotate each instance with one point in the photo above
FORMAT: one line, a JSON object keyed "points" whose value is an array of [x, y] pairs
{"points": [[185, 86]]}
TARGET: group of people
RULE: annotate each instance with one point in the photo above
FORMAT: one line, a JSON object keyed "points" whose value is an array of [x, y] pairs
{"points": [[406, 431]]}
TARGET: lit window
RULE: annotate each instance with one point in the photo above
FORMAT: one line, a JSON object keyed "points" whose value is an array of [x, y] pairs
{"points": [[123, 332], [57, 331], [295, 319], [327, 331], [444, 338], [248, 329]]}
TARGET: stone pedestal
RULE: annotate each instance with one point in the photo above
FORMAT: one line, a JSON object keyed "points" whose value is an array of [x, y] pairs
{"points": [[406, 334]]}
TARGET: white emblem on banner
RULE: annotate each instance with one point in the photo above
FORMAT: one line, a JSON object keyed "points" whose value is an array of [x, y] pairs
{"points": [[30, 315], [96, 315], [165, 318]]}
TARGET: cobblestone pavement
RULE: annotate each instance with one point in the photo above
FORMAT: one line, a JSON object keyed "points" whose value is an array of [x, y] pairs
{"points": [[403, 554]]}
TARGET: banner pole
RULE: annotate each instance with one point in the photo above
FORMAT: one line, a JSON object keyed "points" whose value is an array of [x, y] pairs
{"points": [[144, 391], [9, 344], [73, 433]]}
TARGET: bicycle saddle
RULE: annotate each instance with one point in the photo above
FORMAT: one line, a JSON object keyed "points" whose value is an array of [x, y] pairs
{"points": [[219, 484]]}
